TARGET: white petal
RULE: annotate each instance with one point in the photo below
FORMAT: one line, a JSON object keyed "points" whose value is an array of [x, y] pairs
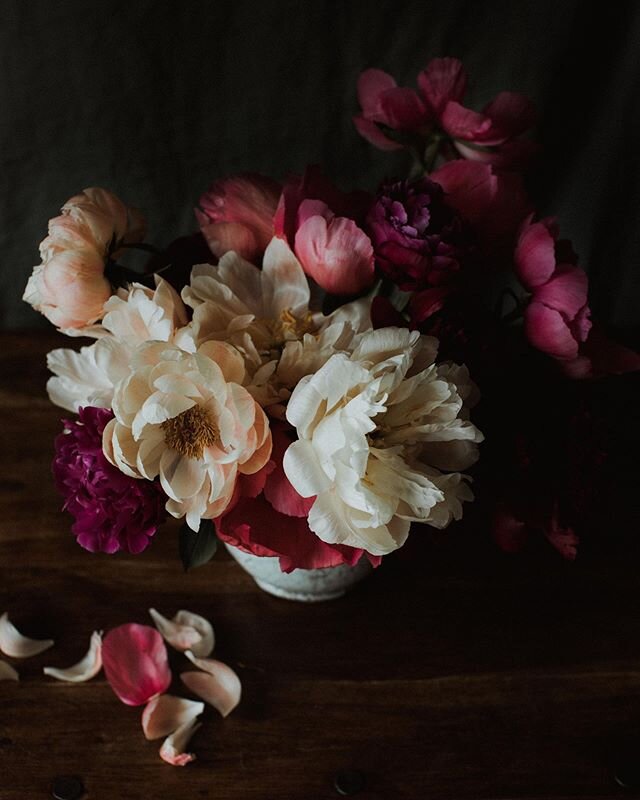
{"points": [[7, 672], [186, 631], [165, 713], [14, 644], [284, 284], [172, 750], [218, 684], [87, 668]]}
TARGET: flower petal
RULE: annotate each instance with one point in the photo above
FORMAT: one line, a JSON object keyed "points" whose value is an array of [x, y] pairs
{"points": [[7, 672], [14, 644], [166, 713], [186, 631], [136, 663], [172, 750], [218, 684], [87, 668]]}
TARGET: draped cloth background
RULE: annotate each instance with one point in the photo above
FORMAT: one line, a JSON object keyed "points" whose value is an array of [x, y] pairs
{"points": [[154, 99]]}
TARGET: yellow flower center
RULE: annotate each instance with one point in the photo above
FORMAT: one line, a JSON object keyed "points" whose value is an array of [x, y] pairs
{"points": [[190, 432], [289, 326]]}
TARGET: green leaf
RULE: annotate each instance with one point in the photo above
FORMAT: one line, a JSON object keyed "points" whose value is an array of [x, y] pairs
{"points": [[198, 548]]}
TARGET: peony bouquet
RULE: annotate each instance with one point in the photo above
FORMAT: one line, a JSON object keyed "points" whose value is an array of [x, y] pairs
{"points": [[298, 378]]}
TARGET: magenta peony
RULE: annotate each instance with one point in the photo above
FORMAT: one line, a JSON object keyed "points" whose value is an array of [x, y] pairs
{"points": [[237, 214], [418, 240], [112, 511]]}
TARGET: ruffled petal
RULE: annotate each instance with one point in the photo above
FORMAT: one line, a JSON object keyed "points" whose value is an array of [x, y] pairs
{"points": [[173, 747], [14, 644], [186, 631], [217, 684], [166, 713], [88, 667]]}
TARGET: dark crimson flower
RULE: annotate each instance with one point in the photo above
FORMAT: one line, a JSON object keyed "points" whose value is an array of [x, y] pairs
{"points": [[418, 240], [112, 511]]}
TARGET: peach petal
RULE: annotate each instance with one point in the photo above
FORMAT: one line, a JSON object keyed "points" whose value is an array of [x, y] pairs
{"points": [[172, 750], [166, 713], [88, 667], [186, 631], [7, 672], [217, 684], [14, 644]]}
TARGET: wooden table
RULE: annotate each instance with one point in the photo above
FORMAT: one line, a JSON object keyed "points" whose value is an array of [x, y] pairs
{"points": [[453, 672]]}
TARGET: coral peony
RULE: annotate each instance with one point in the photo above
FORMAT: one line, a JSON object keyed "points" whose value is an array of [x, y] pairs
{"points": [[70, 287], [112, 511], [237, 214]]}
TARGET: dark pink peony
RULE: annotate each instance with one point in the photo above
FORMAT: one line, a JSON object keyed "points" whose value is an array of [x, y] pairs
{"points": [[135, 662], [394, 116], [269, 518], [493, 203], [322, 226], [418, 240], [557, 317], [112, 511], [237, 214]]}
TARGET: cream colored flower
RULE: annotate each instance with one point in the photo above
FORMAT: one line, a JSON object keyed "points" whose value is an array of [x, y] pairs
{"points": [[265, 314], [376, 429], [186, 418], [133, 316]]}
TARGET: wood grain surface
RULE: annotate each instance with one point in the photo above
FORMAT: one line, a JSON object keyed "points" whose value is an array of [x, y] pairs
{"points": [[453, 672]]}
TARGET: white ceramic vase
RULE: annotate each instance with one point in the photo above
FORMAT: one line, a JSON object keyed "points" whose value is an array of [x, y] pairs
{"points": [[303, 585]]}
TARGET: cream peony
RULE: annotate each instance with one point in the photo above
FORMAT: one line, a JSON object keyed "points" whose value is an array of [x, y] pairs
{"points": [[382, 434], [185, 418]]}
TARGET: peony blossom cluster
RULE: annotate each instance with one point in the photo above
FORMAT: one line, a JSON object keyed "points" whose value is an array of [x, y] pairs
{"points": [[302, 371]]}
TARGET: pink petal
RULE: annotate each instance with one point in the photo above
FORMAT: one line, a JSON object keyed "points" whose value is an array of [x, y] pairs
{"points": [[278, 489], [402, 109], [88, 667], [218, 684], [14, 644], [371, 84], [186, 631], [535, 257], [426, 303], [509, 533], [337, 255], [547, 330], [463, 123], [135, 663], [563, 539], [600, 356], [442, 80], [225, 236], [173, 747], [566, 291], [165, 713], [372, 133]]}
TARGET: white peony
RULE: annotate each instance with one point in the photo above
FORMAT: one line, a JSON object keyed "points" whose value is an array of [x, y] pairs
{"points": [[376, 428], [185, 418]]}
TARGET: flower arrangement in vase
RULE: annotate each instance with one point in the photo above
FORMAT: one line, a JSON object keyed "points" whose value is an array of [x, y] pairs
{"points": [[298, 378]]}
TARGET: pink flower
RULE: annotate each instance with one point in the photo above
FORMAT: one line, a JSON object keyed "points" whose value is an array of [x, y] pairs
{"points": [[557, 317], [112, 511], [393, 117], [269, 518], [69, 286], [237, 214], [493, 203], [321, 225], [511, 534], [135, 663]]}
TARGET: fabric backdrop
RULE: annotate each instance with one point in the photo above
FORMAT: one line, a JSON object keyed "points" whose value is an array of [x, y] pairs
{"points": [[154, 100]]}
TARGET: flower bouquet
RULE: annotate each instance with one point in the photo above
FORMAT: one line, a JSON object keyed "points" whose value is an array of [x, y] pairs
{"points": [[297, 378]]}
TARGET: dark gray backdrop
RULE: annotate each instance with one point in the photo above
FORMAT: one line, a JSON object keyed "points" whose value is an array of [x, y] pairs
{"points": [[155, 99]]}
